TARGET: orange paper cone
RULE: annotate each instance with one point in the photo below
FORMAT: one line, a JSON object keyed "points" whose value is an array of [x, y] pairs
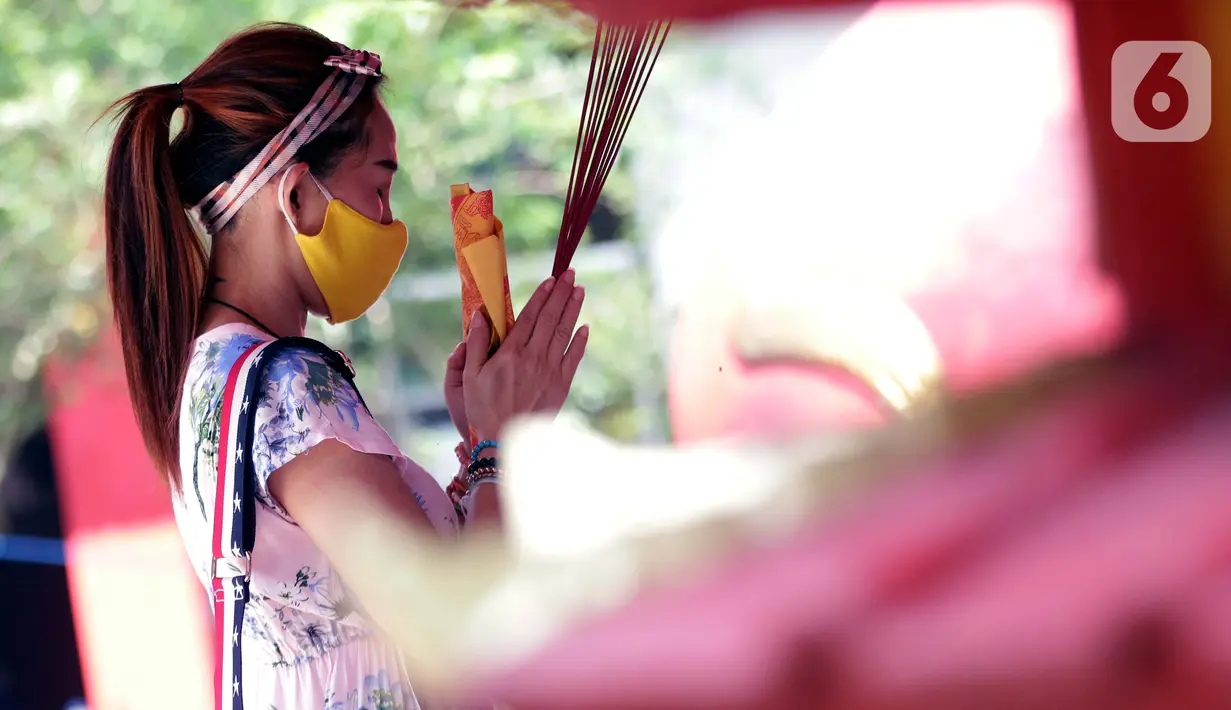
{"points": [[478, 239]]}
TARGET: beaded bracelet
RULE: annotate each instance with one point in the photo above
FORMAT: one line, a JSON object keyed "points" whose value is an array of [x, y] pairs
{"points": [[478, 473], [483, 469], [481, 463], [463, 453], [481, 474], [485, 444]]}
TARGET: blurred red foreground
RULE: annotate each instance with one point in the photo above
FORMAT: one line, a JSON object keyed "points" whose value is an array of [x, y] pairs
{"points": [[1079, 559]]}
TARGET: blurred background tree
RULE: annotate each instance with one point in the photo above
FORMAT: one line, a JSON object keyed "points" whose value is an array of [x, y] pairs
{"points": [[486, 95]]}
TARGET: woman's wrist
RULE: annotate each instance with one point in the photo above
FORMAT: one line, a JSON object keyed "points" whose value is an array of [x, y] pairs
{"points": [[485, 503], [478, 467]]}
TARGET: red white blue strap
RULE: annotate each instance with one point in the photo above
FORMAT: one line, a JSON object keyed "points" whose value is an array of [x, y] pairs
{"points": [[331, 100], [235, 506], [234, 529]]}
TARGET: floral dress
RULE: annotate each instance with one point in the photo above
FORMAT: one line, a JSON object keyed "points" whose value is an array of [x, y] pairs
{"points": [[305, 646]]}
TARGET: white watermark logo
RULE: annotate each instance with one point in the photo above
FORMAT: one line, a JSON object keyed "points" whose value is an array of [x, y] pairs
{"points": [[1160, 92]]}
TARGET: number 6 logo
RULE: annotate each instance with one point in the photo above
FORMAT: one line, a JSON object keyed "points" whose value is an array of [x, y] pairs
{"points": [[1160, 92]]}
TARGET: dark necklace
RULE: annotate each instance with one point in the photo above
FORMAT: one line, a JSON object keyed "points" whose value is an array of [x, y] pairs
{"points": [[243, 313]]}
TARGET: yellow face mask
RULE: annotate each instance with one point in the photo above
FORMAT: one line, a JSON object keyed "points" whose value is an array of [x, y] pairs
{"points": [[352, 259]]}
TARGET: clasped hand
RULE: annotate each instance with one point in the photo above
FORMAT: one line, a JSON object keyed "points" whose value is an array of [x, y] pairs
{"points": [[532, 370]]}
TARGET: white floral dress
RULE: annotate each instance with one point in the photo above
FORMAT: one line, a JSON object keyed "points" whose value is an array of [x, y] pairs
{"points": [[305, 647]]}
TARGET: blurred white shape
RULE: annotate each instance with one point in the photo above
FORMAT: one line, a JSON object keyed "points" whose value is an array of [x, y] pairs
{"points": [[570, 492], [592, 522], [27, 356], [889, 155]]}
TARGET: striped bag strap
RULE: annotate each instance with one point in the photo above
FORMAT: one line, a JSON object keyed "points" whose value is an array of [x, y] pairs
{"points": [[235, 507]]}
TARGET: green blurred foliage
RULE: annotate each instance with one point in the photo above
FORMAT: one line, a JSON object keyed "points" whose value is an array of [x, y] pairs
{"points": [[487, 95]]}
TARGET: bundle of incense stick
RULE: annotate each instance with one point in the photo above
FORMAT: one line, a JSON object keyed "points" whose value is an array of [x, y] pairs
{"points": [[620, 66], [624, 56]]}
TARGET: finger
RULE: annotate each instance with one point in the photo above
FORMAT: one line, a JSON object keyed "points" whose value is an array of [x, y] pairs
{"points": [[524, 325], [572, 357], [456, 364], [476, 346], [564, 329], [552, 312]]}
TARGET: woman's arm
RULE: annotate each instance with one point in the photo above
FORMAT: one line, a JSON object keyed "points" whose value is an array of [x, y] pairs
{"points": [[344, 499], [367, 523], [485, 507]]}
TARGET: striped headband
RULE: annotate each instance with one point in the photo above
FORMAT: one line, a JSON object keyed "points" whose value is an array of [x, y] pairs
{"points": [[336, 94]]}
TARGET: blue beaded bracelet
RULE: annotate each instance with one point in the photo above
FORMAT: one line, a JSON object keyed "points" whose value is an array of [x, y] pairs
{"points": [[485, 444]]}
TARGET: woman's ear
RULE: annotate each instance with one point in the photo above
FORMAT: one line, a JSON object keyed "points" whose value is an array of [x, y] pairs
{"points": [[290, 189], [302, 200]]}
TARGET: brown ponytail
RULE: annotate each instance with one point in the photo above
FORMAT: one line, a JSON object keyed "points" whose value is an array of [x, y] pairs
{"points": [[242, 95], [156, 267]]}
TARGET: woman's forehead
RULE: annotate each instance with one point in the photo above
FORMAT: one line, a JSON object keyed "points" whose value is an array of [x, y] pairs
{"points": [[378, 151], [382, 135]]}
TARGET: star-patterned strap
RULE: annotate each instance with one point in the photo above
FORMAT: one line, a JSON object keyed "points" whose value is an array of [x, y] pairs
{"points": [[235, 508], [231, 569]]}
